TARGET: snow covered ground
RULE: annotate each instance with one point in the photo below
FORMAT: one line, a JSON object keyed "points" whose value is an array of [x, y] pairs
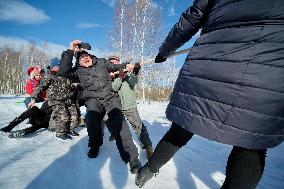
{"points": [[39, 161]]}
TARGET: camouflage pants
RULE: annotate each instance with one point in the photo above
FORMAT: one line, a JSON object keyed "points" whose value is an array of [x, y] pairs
{"points": [[64, 116]]}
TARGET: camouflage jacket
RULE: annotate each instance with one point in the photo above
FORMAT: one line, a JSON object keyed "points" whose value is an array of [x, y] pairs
{"points": [[57, 88]]}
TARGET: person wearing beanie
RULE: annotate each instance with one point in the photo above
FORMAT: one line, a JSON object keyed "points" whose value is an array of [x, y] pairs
{"points": [[123, 84], [61, 94], [93, 74], [35, 74]]}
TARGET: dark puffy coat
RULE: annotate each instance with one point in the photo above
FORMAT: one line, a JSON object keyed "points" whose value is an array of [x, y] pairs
{"points": [[231, 87], [95, 80]]}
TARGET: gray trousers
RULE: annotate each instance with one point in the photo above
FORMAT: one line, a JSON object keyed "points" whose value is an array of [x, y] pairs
{"points": [[137, 125]]}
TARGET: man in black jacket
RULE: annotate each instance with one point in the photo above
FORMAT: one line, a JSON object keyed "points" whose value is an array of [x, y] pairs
{"points": [[93, 74]]}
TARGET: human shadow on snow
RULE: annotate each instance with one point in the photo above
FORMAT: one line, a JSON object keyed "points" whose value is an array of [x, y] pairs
{"points": [[75, 170]]}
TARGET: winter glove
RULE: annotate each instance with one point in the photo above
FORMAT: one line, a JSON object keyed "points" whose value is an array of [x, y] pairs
{"points": [[160, 59], [136, 68]]}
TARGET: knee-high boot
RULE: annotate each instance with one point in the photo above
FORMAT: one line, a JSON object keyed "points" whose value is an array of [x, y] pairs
{"points": [[162, 154]]}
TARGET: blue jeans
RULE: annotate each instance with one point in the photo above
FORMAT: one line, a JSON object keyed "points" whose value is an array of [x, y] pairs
{"points": [[29, 99]]}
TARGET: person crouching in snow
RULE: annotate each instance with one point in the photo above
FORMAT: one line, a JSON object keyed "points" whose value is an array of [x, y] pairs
{"points": [[35, 74], [38, 118], [61, 96]]}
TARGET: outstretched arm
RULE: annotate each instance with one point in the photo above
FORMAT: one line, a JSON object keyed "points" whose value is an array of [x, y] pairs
{"points": [[188, 25], [43, 86], [114, 67]]}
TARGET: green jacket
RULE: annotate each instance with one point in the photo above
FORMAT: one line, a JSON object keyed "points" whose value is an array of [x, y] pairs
{"points": [[125, 90]]}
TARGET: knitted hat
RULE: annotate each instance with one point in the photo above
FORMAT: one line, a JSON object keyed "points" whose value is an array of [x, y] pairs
{"points": [[29, 70], [54, 62]]}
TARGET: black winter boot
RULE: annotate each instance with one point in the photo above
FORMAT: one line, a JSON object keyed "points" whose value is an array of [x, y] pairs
{"points": [[73, 132], [162, 154], [11, 125], [244, 168], [17, 134], [51, 129], [93, 152], [63, 136], [135, 165], [164, 151], [144, 175], [112, 137]]}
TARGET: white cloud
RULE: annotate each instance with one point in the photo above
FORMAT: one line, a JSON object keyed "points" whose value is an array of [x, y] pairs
{"points": [[110, 3], [22, 12], [54, 50], [172, 11], [24, 44], [87, 25]]}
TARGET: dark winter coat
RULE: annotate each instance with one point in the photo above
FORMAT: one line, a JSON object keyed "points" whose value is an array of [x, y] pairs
{"points": [[231, 87], [95, 80]]}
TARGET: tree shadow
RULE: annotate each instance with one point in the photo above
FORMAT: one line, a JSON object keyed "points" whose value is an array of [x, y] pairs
{"points": [[76, 170], [3, 97], [200, 162]]}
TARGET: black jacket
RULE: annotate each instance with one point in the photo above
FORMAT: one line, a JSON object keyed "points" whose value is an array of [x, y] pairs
{"points": [[95, 80], [231, 87]]}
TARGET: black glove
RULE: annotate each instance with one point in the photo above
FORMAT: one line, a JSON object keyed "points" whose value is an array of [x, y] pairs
{"points": [[160, 59], [136, 68]]}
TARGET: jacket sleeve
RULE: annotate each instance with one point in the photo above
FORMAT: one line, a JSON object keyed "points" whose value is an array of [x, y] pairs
{"points": [[29, 88], [65, 67], [116, 84], [42, 86], [132, 80], [114, 67], [188, 25]]}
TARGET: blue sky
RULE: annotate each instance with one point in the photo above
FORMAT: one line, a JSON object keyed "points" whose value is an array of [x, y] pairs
{"points": [[59, 22]]}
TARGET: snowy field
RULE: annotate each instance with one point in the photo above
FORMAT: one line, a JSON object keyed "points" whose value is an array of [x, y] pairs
{"points": [[39, 161]]}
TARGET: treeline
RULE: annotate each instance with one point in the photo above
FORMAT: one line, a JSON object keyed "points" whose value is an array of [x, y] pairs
{"points": [[157, 84], [135, 36], [13, 66]]}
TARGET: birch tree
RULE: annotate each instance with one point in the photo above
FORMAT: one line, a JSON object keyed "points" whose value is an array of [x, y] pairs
{"points": [[11, 74], [134, 34]]}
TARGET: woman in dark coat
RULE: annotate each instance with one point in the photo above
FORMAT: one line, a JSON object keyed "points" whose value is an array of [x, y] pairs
{"points": [[231, 87]]}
